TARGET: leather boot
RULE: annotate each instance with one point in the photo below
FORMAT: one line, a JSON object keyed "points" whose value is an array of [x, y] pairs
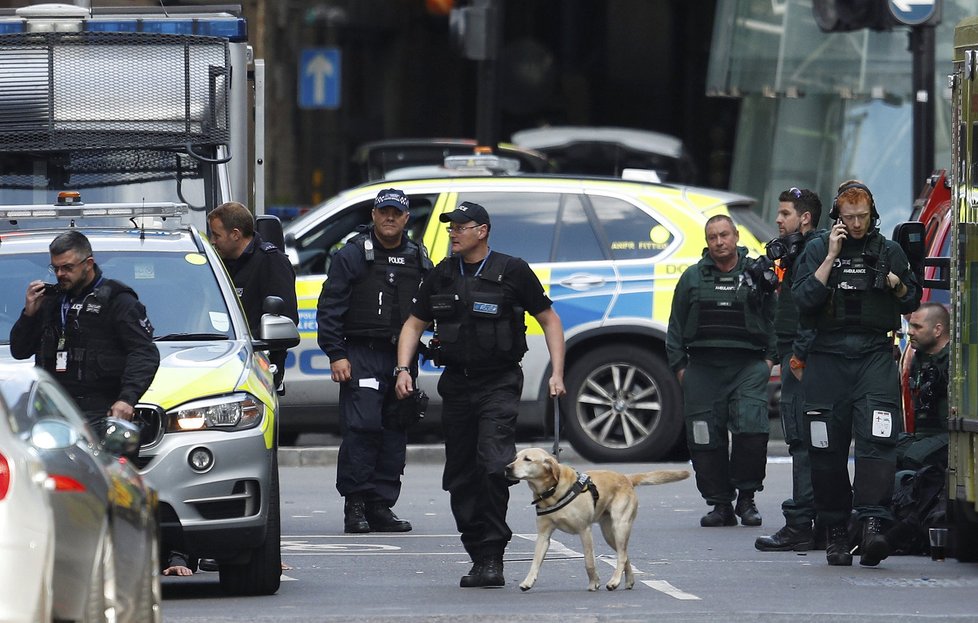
{"points": [[837, 546], [747, 510], [492, 572], [789, 538], [382, 519], [874, 547], [721, 515], [354, 517], [474, 577]]}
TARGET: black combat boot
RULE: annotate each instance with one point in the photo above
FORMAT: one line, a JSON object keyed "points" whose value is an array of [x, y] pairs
{"points": [[837, 546], [721, 515], [492, 572], [474, 577], [789, 538], [382, 519], [874, 547], [747, 510], [354, 517]]}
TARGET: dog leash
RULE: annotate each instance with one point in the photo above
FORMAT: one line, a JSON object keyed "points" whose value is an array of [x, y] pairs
{"points": [[556, 448]]}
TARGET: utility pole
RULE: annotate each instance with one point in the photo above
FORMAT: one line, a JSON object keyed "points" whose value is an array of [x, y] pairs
{"points": [[922, 48]]}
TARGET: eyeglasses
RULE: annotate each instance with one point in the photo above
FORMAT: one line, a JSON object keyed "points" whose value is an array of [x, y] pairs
{"points": [[67, 268], [457, 229], [796, 192]]}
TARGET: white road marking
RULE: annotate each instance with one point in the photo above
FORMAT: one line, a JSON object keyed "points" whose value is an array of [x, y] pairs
{"points": [[301, 546], [665, 587]]}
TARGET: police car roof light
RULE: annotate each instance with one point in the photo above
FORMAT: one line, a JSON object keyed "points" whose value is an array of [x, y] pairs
{"points": [[483, 162], [93, 210]]}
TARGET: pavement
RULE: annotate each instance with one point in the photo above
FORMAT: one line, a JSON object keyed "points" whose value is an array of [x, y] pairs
{"points": [[320, 450]]}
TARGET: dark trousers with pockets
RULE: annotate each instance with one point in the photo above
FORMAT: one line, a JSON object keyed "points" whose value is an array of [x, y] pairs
{"points": [[371, 457], [799, 509], [850, 398], [479, 413]]}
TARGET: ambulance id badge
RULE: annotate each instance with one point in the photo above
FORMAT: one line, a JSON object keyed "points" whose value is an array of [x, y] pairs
{"points": [[882, 424], [61, 361]]}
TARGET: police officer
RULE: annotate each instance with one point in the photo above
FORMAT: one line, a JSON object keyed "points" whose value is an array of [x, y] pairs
{"points": [[927, 382], [721, 345], [851, 285], [364, 302], [476, 299], [799, 211], [257, 267], [92, 333]]}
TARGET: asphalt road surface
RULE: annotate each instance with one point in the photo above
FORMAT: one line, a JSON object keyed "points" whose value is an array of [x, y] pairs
{"points": [[685, 573]]}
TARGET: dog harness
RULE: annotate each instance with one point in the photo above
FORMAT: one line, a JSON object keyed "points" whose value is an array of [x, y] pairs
{"points": [[582, 484]]}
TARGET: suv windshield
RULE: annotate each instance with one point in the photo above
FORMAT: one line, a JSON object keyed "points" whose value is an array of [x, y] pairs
{"points": [[180, 292]]}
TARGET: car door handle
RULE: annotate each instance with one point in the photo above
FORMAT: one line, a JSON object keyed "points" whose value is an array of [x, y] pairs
{"points": [[579, 281]]}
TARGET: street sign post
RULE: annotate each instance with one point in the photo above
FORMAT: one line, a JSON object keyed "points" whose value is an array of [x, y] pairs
{"points": [[319, 78]]}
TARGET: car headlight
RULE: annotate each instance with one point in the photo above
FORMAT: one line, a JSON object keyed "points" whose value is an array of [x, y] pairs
{"points": [[234, 412]]}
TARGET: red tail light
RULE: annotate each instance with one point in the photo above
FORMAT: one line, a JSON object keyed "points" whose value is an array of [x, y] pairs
{"points": [[4, 477], [64, 483]]}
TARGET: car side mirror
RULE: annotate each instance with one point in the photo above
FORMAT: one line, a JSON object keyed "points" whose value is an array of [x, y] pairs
{"points": [[277, 332], [52, 434]]}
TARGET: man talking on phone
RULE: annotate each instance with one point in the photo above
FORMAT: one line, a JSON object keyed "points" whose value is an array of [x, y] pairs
{"points": [[851, 286]]}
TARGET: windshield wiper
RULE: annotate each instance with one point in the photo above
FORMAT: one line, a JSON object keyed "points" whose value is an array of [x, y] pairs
{"points": [[187, 337]]}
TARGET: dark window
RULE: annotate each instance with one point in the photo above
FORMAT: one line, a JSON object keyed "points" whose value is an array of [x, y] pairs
{"points": [[631, 233], [522, 223], [576, 241]]}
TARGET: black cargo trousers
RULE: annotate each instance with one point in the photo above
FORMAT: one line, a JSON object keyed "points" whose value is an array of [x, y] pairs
{"points": [[479, 410]]}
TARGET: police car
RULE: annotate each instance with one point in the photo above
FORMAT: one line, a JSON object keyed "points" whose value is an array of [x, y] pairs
{"points": [[608, 251], [208, 440]]}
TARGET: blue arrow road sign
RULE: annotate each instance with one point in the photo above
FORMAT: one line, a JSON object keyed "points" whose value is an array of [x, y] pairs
{"points": [[319, 78], [912, 12]]}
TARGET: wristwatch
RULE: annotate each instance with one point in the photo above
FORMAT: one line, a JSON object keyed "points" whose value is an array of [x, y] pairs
{"points": [[796, 363], [400, 369]]}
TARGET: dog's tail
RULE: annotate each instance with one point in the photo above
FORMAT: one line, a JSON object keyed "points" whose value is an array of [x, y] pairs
{"points": [[658, 477]]}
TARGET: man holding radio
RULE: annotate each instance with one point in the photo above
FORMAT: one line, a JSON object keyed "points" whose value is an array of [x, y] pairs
{"points": [[851, 286]]}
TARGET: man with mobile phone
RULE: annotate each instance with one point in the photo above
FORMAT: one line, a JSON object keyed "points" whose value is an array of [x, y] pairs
{"points": [[851, 286], [90, 332]]}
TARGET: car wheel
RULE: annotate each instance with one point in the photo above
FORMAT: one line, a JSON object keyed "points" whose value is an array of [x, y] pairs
{"points": [[624, 405], [149, 607], [101, 604], [262, 574]]}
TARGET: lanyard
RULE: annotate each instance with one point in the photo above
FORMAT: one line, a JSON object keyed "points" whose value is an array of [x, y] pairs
{"points": [[461, 265], [66, 303]]}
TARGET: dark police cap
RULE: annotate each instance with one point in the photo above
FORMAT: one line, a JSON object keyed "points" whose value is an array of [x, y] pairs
{"points": [[392, 197], [465, 212]]}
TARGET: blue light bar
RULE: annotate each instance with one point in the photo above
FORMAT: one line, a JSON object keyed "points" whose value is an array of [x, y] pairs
{"points": [[11, 28], [234, 29]]}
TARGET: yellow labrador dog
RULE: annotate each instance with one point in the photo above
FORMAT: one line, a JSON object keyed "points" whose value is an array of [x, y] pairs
{"points": [[571, 502]]}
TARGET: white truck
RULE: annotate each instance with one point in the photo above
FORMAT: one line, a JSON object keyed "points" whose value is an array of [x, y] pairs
{"points": [[130, 104]]}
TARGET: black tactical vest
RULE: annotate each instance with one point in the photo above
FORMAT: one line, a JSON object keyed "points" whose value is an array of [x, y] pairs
{"points": [[95, 359], [476, 325], [381, 301], [856, 301]]}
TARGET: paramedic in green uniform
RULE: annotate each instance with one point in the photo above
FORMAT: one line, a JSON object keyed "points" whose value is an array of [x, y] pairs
{"points": [[721, 345], [851, 286]]}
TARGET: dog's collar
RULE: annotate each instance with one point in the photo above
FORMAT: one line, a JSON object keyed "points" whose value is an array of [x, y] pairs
{"points": [[582, 484]]}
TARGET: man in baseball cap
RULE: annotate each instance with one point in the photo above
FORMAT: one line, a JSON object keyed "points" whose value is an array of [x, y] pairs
{"points": [[466, 212]]}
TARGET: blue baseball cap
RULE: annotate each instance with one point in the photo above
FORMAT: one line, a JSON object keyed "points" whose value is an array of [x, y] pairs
{"points": [[392, 198]]}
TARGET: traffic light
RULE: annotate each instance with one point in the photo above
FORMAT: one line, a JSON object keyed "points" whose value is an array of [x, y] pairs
{"points": [[848, 15]]}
